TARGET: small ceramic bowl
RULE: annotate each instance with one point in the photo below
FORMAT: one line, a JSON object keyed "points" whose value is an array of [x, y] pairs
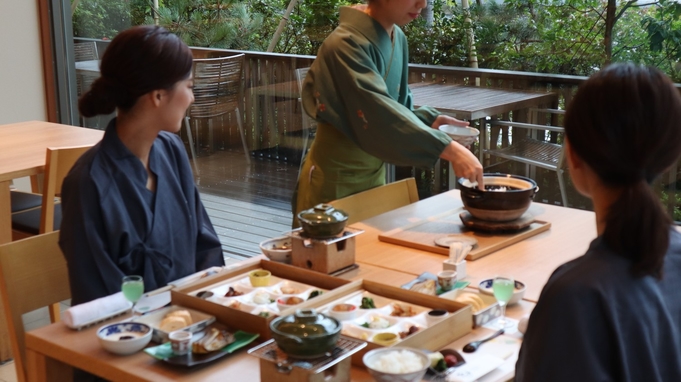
{"points": [[386, 338], [436, 315], [284, 303], [343, 312], [518, 292], [372, 361], [277, 249], [124, 337], [463, 135], [260, 278]]}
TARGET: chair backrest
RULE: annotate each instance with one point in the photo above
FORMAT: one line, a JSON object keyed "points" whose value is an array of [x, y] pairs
{"points": [[85, 51], [378, 200], [218, 86], [33, 275], [58, 163]]}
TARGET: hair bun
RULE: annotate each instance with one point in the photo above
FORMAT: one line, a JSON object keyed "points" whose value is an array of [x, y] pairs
{"points": [[102, 98]]}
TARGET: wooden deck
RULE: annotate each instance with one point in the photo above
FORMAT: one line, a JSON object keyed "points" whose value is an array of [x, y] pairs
{"points": [[246, 203]]}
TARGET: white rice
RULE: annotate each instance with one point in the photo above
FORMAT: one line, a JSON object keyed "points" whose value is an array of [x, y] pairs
{"points": [[397, 362]]}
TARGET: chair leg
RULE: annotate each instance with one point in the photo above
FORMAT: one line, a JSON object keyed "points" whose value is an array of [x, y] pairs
{"points": [[55, 313], [191, 144], [243, 134], [561, 185]]}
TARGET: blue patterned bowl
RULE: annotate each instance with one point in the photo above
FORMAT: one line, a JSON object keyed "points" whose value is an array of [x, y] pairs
{"points": [[124, 337]]}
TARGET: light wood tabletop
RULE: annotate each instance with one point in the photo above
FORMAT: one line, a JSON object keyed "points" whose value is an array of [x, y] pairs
{"points": [[531, 260], [53, 350], [22, 153]]}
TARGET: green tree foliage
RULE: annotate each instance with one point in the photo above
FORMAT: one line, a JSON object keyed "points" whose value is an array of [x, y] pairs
{"points": [[663, 28]]}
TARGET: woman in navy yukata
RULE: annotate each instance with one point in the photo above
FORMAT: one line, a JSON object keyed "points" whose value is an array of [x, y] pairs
{"points": [[357, 91], [130, 205], [614, 314]]}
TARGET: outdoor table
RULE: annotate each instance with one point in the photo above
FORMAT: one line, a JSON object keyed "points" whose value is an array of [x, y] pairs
{"points": [[88, 66], [22, 153], [476, 103]]}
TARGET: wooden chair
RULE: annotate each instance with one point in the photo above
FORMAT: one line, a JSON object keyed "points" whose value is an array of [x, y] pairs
{"points": [[34, 275], [218, 90], [378, 200], [533, 148], [22, 201], [47, 218]]}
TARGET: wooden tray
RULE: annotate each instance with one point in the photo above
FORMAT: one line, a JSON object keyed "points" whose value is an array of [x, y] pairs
{"points": [[422, 235]]}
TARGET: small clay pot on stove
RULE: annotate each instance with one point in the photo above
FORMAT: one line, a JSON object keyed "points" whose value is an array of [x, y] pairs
{"points": [[506, 197], [323, 221], [306, 334]]}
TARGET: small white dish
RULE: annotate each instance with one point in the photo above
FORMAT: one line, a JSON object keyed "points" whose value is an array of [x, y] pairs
{"points": [[124, 337], [277, 249], [463, 135], [436, 315], [343, 311]]}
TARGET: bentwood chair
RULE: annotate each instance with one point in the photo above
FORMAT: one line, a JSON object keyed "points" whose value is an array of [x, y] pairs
{"points": [[34, 275], [376, 201], [47, 218], [218, 90]]}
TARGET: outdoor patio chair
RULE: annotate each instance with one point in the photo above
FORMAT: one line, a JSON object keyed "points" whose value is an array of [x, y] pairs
{"points": [[33, 275], [376, 201], [218, 90], [533, 149], [47, 218], [85, 51]]}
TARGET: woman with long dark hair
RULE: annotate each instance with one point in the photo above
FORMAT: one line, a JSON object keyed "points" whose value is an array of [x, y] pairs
{"points": [[130, 204], [614, 314]]}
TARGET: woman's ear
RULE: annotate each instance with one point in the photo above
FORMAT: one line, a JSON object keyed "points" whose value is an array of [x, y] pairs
{"points": [[156, 97]]}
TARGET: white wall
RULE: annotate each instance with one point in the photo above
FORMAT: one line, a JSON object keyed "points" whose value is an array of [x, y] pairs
{"points": [[22, 91]]}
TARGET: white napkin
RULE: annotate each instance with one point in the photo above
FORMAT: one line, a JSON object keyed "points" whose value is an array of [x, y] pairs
{"points": [[95, 310]]}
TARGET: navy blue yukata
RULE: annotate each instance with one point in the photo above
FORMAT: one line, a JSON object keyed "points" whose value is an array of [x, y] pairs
{"points": [[113, 226]]}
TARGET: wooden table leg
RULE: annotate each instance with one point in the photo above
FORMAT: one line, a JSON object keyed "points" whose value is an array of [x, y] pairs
{"points": [[5, 237], [43, 369]]}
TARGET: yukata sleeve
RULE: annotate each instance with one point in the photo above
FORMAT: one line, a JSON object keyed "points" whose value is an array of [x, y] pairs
{"points": [[83, 240], [208, 246], [353, 97], [566, 338]]}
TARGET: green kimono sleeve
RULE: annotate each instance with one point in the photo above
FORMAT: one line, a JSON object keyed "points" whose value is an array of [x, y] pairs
{"points": [[345, 89]]}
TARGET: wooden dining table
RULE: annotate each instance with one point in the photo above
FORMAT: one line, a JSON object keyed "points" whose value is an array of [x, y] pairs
{"points": [[53, 351], [22, 153]]}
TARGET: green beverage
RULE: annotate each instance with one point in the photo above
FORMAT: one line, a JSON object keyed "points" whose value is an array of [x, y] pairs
{"points": [[503, 289], [133, 290]]}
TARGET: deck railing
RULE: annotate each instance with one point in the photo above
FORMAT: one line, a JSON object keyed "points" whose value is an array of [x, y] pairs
{"points": [[272, 114]]}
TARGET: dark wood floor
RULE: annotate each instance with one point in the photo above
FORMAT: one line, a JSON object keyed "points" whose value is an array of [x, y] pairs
{"points": [[247, 203]]}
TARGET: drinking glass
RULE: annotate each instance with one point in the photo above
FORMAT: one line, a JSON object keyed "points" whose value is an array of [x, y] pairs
{"points": [[503, 287], [133, 288]]}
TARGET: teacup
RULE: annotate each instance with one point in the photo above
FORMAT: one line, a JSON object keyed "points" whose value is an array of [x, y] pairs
{"points": [[180, 341], [260, 278], [446, 279]]}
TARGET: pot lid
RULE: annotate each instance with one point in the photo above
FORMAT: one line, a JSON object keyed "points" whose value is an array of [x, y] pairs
{"points": [[323, 214], [308, 323], [519, 183]]}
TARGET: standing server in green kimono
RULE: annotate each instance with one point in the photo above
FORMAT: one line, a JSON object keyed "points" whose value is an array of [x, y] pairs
{"points": [[357, 92]]}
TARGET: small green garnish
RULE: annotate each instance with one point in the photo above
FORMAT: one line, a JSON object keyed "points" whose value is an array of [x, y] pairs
{"points": [[315, 293], [264, 314], [441, 365], [367, 303], [366, 324]]}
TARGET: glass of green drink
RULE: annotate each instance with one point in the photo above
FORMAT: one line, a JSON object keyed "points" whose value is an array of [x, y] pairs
{"points": [[503, 287], [133, 288]]}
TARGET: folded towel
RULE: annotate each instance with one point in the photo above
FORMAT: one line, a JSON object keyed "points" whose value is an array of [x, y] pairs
{"points": [[96, 310]]}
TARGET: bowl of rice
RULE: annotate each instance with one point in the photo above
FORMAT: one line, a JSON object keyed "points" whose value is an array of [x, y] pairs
{"points": [[396, 364]]}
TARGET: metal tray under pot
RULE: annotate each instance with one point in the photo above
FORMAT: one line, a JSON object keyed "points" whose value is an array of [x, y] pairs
{"points": [[506, 197]]}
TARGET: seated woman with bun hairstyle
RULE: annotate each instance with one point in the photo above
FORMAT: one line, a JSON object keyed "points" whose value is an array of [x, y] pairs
{"points": [[614, 314], [130, 204]]}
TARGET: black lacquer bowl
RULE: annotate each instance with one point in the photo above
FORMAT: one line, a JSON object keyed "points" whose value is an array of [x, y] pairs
{"points": [[505, 198]]}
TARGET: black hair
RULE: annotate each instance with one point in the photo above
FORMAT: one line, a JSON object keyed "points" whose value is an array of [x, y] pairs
{"points": [[138, 60], [625, 123]]}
